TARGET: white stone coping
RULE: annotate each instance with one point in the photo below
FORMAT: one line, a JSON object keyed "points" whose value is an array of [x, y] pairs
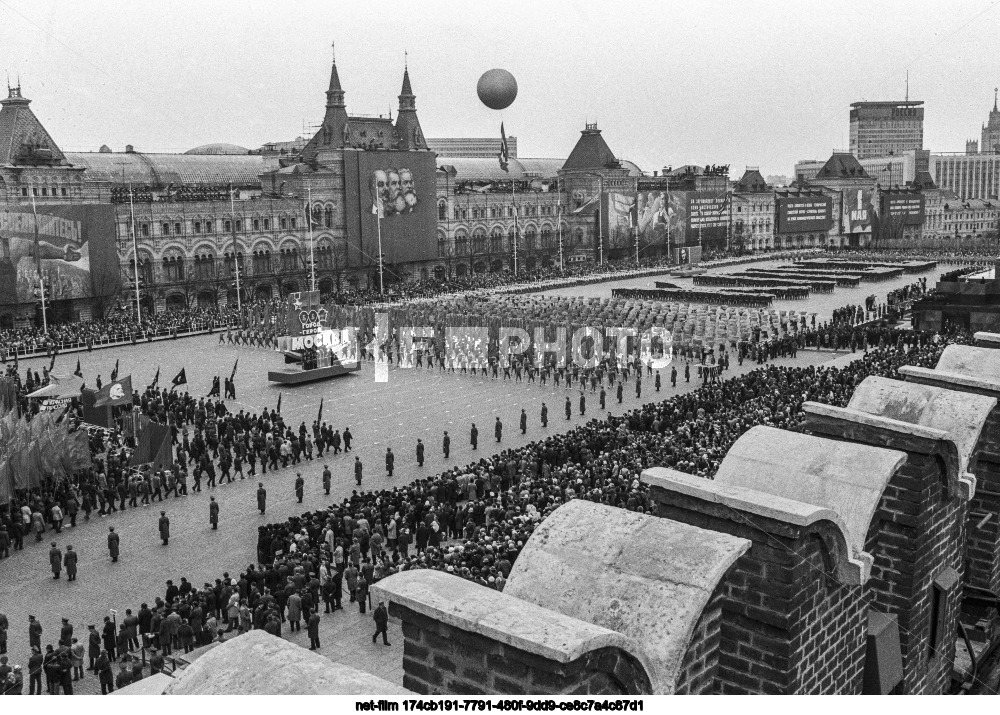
{"points": [[961, 415], [155, 684], [257, 663], [946, 379], [845, 477], [645, 577], [467, 606], [992, 340], [979, 362], [853, 569], [955, 476]]}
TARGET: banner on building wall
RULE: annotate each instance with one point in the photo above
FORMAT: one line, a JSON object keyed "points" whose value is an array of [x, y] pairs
{"points": [[654, 218], [704, 215], [858, 214], [395, 192], [803, 214], [72, 246], [905, 206], [618, 212]]}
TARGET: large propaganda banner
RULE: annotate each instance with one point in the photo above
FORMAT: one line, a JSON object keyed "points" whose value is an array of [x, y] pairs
{"points": [[799, 214], [73, 247], [909, 207], [393, 192]]}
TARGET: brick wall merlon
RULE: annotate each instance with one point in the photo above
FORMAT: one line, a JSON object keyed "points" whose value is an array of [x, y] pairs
{"points": [[645, 577], [988, 340], [469, 607], [961, 415], [864, 428], [853, 564], [848, 479], [978, 362]]}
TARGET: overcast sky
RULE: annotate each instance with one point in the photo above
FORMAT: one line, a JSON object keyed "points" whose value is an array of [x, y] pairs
{"points": [[669, 83]]}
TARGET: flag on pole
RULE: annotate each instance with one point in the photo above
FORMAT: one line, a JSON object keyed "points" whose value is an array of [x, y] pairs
{"points": [[504, 154], [52, 363], [118, 392], [114, 373], [233, 375], [78, 372], [179, 379], [319, 416], [279, 403], [156, 378]]}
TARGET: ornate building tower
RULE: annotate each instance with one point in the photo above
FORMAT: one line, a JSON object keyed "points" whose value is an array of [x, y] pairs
{"points": [[990, 143]]}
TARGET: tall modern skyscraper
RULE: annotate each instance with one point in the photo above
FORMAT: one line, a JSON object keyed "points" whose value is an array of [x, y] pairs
{"points": [[886, 128]]}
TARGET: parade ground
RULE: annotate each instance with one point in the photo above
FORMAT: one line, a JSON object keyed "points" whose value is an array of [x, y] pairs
{"points": [[414, 403]]}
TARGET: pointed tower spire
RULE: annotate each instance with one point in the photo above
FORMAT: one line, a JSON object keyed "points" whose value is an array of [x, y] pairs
{"points": [[407, 124], [335, 94], [334, 133], [995, 99]]}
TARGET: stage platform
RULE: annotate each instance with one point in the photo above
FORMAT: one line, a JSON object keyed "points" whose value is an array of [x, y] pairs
{"points": [[298, 376]]}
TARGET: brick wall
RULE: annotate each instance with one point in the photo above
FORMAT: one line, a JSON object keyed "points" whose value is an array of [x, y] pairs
{"points": [[440, 659], [700, 665], [787, 625]]}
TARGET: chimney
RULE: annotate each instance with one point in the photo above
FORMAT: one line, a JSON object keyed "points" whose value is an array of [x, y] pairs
{"points": [[129, 149]]}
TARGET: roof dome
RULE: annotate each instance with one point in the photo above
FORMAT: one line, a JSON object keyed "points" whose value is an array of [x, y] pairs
{"points": [[220, 148]]}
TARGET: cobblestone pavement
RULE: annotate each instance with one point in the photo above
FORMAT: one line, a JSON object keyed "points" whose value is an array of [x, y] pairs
{"points": [[414, 403]]}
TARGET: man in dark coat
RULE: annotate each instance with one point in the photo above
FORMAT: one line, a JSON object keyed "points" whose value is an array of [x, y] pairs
{"points": [[109, 636], [213, 513], [357, 470], [390, 461], [164, 528], [545, 415], [66, 634], [381, 617], [55, 560], [107, 677], [524, 421], [420, 453], [35, 664], [261, 497], [498, 429], [313, 628], [113, 541], [69, 561], [583, 403], [347, 439], [93, 646], [474, 436], [300, 485], [327, 479], [569, 408]]}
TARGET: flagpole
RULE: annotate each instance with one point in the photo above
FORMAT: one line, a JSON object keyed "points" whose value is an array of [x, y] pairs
{"points": [[38, 268], [381, 260], [135, 252], [236, 257], [514, 204], [312, 258], [559, 223]]}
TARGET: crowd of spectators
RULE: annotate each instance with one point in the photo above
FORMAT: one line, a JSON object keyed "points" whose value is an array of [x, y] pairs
{"points": [[471, 521]]}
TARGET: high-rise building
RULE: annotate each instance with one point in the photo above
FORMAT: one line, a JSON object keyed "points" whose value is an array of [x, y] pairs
{"points": [[886, 128], [471, 147], [990, 143]]}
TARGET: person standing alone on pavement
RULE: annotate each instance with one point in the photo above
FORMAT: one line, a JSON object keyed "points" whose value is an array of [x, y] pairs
{"points": [[381, 617], [213, 513]]}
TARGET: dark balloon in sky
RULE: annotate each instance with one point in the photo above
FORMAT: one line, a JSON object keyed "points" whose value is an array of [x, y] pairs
{"points": [[497, 89]]}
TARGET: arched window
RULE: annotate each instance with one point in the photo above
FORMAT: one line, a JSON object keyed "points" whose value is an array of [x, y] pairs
{"points": [[479, 241], [442, 210], [328, 217], [496, 240], [546, 237]]}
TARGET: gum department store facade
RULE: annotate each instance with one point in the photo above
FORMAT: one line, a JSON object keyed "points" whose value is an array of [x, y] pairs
{"points": [[184, 218], [188, 229]]}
